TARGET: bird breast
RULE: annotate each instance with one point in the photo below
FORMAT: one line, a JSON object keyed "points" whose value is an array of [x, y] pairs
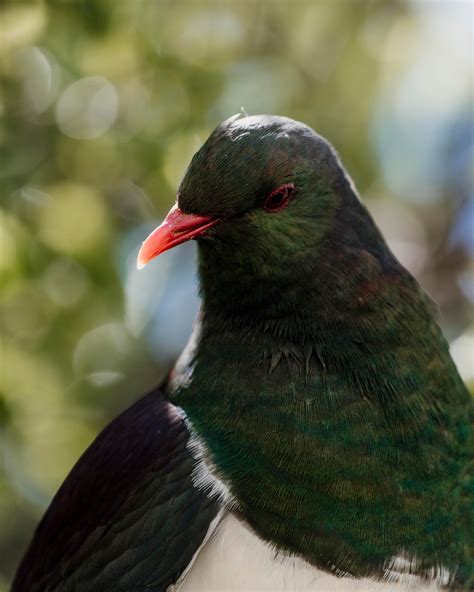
{"points": [[235, 559]]}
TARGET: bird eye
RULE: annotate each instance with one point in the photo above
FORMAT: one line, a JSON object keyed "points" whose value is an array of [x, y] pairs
{"points": [[279, 198]]}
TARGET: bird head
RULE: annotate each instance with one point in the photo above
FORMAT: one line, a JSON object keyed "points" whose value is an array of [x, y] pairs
{"points": [[260, 184], [278, 221]]}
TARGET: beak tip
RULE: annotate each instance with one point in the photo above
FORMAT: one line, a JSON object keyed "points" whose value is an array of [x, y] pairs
{"points": [[141, 261]]}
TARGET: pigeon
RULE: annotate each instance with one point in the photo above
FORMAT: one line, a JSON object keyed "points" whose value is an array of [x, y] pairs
{"points": [[314, 434]]}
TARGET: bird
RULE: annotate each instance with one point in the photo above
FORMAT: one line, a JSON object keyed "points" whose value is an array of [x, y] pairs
{"points": [[314, 434]]}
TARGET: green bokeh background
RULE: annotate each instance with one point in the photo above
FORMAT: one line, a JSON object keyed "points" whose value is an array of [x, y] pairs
{"points": [[102, 105]]}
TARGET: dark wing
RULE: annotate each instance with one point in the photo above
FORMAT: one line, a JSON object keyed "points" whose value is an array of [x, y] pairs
{"points": [[128, 517]]}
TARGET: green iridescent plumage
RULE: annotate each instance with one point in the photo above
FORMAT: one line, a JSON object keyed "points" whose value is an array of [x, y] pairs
{"points": [[320, 380]]}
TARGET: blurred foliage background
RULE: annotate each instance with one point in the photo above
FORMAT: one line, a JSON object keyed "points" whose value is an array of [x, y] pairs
{"points": [[102, 105]]}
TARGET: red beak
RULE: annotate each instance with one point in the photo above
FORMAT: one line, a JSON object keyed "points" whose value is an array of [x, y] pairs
{"points": [[176, 228]]}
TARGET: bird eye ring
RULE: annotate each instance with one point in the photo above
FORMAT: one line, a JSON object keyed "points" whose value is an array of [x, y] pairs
{"points": [[279, 198]]}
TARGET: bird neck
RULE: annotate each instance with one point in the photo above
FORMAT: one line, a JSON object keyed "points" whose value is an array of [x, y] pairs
{"points": [[339, 278], [299, 299]]}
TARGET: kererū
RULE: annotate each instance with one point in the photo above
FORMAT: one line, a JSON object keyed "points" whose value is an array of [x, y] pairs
{"points": [[313, 435]]}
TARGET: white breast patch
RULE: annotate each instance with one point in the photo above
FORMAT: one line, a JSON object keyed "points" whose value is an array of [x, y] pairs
{"points": [[234, 559]]}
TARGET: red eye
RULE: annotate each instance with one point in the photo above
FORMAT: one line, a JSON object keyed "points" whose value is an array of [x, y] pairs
{"points": [[279, 198]]}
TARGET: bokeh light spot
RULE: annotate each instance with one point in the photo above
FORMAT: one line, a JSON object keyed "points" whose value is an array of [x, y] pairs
{"points": [[87, 108], [74, 221], [20, 25], [100, 354], [40, 77], [65, 282]]}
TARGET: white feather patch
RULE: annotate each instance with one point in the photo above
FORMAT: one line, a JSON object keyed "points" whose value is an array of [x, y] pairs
{"points": [[234, 559]]}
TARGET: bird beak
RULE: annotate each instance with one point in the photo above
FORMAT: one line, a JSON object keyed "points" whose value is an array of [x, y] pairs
{"points": [[176, 228]]}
